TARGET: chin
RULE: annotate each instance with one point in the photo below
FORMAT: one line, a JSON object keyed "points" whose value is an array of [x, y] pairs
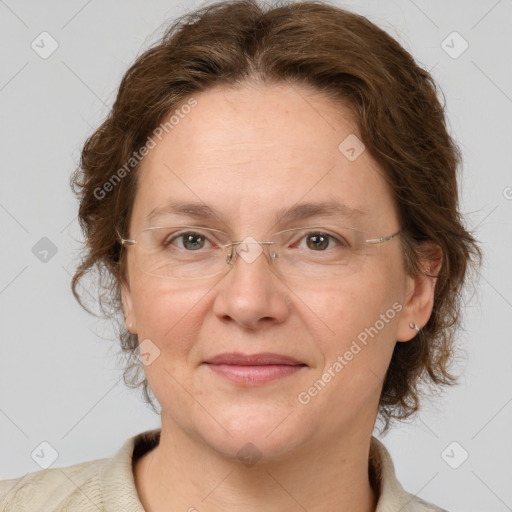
{"points": [[250, 447], [262, 432]]}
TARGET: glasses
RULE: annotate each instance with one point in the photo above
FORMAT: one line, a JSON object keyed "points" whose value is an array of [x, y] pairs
{"points": [[193, 252]]}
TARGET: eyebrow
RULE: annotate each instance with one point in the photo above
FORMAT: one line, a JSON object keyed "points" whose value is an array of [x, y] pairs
{"points": [[300, 211]]}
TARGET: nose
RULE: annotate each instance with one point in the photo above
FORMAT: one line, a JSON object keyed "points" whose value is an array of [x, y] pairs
{"points": [[251, 293]]}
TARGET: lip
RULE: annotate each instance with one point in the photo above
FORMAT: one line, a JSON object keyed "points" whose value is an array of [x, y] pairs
{"points": [[262, 359], [254, 369]]}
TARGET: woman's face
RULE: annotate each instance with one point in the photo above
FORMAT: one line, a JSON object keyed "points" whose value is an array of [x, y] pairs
{"points": [[248, 154]]}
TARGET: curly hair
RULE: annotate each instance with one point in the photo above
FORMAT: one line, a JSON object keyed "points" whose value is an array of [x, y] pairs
{"points": [[353, 63]]}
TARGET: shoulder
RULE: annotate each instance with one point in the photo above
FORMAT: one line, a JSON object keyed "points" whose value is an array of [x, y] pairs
{"points": [[416, 504], [103, 484], [53, 487], [392, 496]]}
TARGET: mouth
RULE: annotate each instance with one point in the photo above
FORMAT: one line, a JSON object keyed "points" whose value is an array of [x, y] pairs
{"points": [[253, 369]]}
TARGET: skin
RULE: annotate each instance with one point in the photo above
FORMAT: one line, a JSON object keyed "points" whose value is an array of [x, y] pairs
{"points": [[248, 152]]}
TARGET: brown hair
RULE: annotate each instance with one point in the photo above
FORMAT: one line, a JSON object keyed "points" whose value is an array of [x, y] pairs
{"points": [[351, 61]]}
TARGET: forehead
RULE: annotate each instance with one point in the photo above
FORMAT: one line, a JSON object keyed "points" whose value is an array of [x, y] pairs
{"points": [[253, 151]]}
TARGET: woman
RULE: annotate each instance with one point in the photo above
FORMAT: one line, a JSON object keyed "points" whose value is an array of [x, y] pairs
{"points": [[272, 205]]}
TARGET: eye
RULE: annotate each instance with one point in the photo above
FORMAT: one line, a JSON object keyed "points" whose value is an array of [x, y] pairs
{"points": [[319, 241], [189, 241]]}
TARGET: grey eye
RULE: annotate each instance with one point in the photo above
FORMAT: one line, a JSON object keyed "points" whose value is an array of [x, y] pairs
{"points": [[189, 241]]}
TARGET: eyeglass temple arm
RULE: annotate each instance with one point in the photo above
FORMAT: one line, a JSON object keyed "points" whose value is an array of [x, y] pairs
{"points": [[124, 241], [383, 238]]}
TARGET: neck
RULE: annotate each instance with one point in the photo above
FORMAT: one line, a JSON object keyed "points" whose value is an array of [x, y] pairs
{"points": [[182, 473]]}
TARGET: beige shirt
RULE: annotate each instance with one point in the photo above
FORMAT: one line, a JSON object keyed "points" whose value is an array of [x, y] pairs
{"points": [[108, 484]]}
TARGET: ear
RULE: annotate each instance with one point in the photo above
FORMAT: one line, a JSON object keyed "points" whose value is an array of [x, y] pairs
{"points": [[419, 299], [129, 313]]}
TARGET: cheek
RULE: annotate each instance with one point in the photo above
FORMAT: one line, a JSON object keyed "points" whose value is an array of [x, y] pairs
{"points": [[171, 315], [361, 314], [167, 313], [356, 350], [356, 344], [355, 303]]}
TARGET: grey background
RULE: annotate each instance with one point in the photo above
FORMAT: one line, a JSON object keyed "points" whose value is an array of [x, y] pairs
{"points": [[59, 381]]}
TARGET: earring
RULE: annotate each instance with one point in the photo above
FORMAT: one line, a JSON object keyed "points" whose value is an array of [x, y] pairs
{"points": [[414, 326]]}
